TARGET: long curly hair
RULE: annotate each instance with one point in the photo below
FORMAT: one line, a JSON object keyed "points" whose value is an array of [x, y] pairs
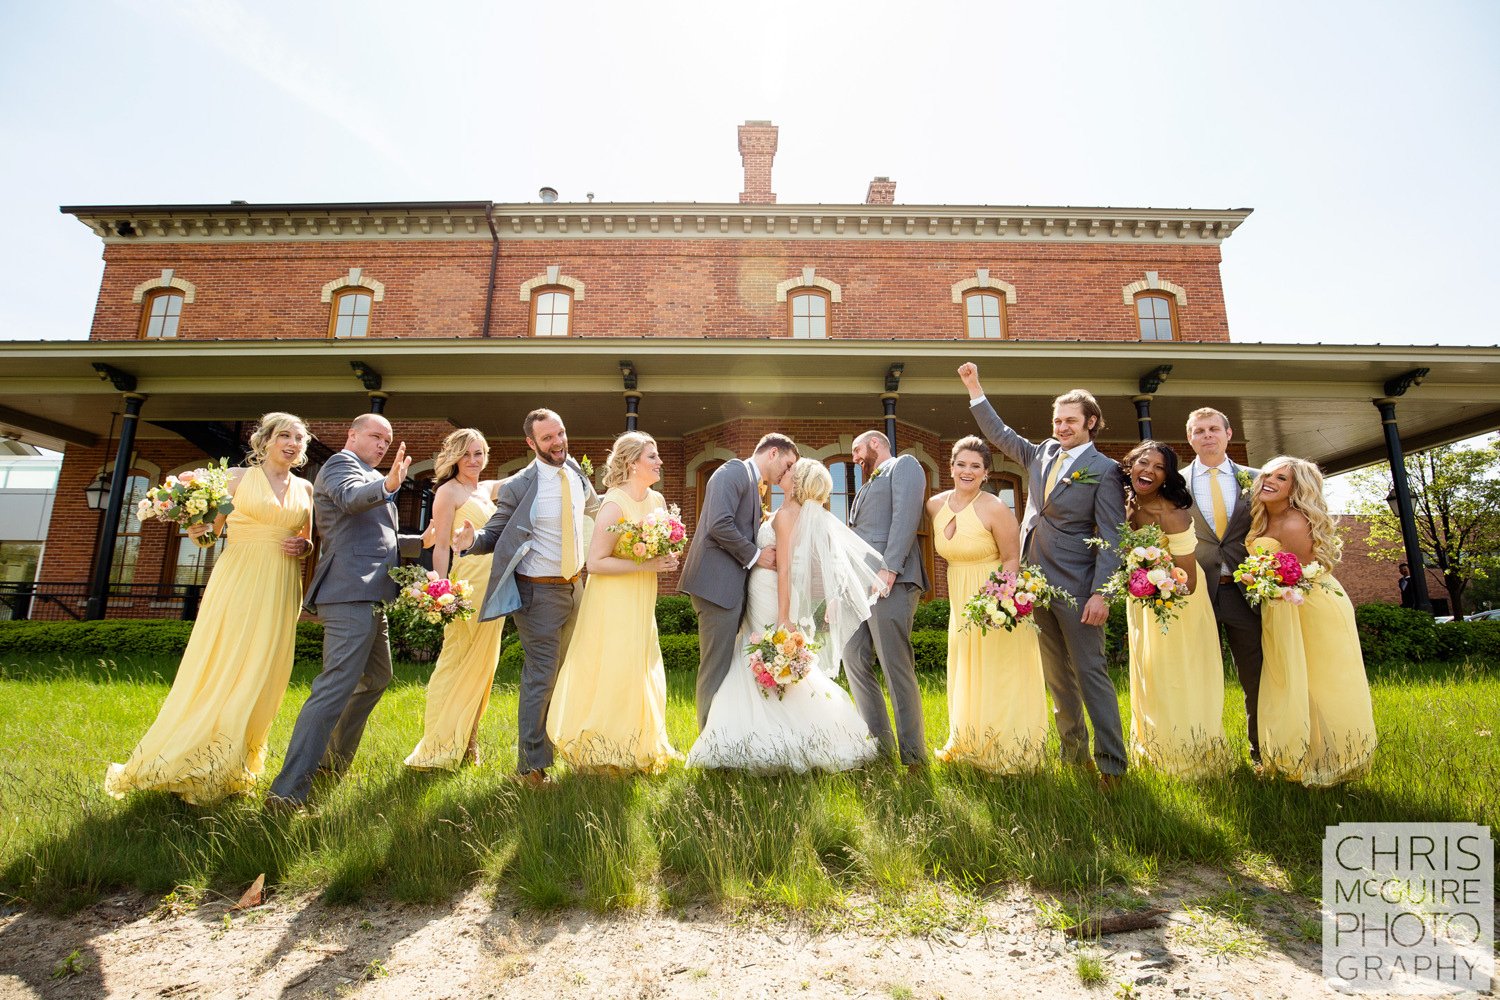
{"points": [[1173, 486], [628, 449], [265, 432], [1307, 499], [455, 445]]}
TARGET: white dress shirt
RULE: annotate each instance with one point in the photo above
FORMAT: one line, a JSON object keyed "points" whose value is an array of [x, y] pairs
{"points": [[545, 555]]}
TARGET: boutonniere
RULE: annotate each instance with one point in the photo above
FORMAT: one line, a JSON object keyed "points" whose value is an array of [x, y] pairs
{"points": [[587, 466], [879, 471], [1084, 477], [1243, 477]]}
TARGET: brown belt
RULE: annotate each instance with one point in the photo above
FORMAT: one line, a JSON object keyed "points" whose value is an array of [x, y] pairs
{"points": [[554, 581], [1225, 579]]}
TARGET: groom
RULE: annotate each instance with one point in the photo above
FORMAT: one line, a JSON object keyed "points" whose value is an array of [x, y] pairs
{"points": [[722, 553], [1073, 493], [539, 545], [887, 512]]}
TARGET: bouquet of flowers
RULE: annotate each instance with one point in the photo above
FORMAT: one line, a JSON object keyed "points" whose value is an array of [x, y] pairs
{"points": [[425, 606], [780, 657], [659, 533], [1008, 599], [196, 496], [1279, 576], [1147, 574]]}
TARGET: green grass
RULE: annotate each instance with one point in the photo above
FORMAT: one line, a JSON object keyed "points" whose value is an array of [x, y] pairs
{"points": [[912, 853]]}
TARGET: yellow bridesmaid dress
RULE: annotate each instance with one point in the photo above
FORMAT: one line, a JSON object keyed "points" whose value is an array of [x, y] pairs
{"points": [[209, 739], [609, 708], [1177, 681], [997, 698], [458, 691], [1316, 722]]}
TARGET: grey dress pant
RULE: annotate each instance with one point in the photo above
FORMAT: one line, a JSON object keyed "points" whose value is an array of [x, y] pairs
{"points": [[356, 671], [544, 622], [1073, 665], [1242, 625], [718, 641], [888, 635]]}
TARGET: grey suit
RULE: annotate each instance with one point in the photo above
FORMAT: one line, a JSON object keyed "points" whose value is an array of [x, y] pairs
{"points": [[887, 512], [360, 545], [543, 613], [1241, 622], [1053, 531], [716, 572]]}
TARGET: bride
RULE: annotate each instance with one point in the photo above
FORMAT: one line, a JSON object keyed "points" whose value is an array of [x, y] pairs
{"points": [[824, 582]]}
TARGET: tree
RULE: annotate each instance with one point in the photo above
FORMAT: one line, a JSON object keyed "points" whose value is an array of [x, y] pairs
{"points": [[1455, 495]]}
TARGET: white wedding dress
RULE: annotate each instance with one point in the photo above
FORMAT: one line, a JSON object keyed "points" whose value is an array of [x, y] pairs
{"points": [[814, 725]]}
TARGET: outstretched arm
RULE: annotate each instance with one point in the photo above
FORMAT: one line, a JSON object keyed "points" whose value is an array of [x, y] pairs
{"points": [[999, 433]]}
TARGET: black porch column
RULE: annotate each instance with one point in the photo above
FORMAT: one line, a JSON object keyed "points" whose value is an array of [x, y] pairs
{"points": [[1142, 416], [1393, 452], [632, 410], [888, 401], [377, 401], [104, 555]]}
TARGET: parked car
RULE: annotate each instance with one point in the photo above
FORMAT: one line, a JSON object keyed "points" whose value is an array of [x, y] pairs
{"points": [[1493, 615], [1443, 619]]}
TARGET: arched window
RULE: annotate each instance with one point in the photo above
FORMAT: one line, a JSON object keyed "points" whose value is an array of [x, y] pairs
{"points": [[187, 562], [985, 314], [350, 315], [1157, 314], [1006, 486], [128, 531], [551, 312], [807, 312], [848, 477], [159, 314]]}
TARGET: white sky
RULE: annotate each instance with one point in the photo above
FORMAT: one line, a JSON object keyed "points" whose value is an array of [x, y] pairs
{"points": [[1363, 134]]}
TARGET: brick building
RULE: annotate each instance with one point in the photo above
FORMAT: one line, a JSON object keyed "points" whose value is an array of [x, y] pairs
{"points": [[707, 324]]}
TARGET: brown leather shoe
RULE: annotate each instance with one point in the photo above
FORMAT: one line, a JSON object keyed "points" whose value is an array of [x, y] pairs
{"points": [[535, 779], [1111, 783]]}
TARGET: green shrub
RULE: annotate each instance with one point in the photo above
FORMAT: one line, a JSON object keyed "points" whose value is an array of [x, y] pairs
{"points": [[931, 615], [125, 637], [1469, 640], [1390, 634], [680, 652], [930, 649], [675, 616]]}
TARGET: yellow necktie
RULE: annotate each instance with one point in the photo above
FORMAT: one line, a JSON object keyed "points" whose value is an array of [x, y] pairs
{"points": [[1057, 465], [1221, 517], [569, 529]]}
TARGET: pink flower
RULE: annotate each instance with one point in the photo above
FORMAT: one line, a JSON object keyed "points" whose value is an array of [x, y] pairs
{"points": [[1292, 596], [639, 550], [188, 478], [1288, 568], [431, 575], [437, 588], [677, 533], [1140, 586]]}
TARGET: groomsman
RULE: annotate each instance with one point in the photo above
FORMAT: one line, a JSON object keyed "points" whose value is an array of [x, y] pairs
{"points": [[1074, 492], [1221, 514], [886, 513], [716, 572], [355, 512], [539, 544]]}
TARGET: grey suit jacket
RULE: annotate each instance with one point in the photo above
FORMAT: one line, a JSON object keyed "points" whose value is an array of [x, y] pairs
{"points": [[888, 511], [508, 534], [359, 531], [1214, 552], [1054, 528], [724, 542]]}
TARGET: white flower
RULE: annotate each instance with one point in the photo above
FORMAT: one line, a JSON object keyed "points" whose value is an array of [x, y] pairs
{"points": [[1158, 576]]}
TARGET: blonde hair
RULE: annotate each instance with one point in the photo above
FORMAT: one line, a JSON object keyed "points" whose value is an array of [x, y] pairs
{"points": [[811, 482], [455, 446], [1202, 413], [265, 432], [628, 449], [1307, 499]]}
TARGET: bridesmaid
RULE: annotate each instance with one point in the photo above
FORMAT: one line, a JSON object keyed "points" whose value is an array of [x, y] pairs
{"points": [[1316, 722], [458, 691], [997, 698], [209, 740], [608, 711], [1176, 678]]}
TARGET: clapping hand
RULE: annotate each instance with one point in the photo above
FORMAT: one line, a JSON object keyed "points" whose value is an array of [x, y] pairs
{"points": [[399, 465], [463, 538]]}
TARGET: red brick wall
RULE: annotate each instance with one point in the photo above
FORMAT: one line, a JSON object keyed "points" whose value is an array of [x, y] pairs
{"points": [[661, 288]]}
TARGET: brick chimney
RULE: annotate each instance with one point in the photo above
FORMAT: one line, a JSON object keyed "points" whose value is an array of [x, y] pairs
{"points": [[757, 150], [882, 192]]}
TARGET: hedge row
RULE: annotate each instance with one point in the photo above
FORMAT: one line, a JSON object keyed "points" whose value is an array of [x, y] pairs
{"points": [[1388, 636]]}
